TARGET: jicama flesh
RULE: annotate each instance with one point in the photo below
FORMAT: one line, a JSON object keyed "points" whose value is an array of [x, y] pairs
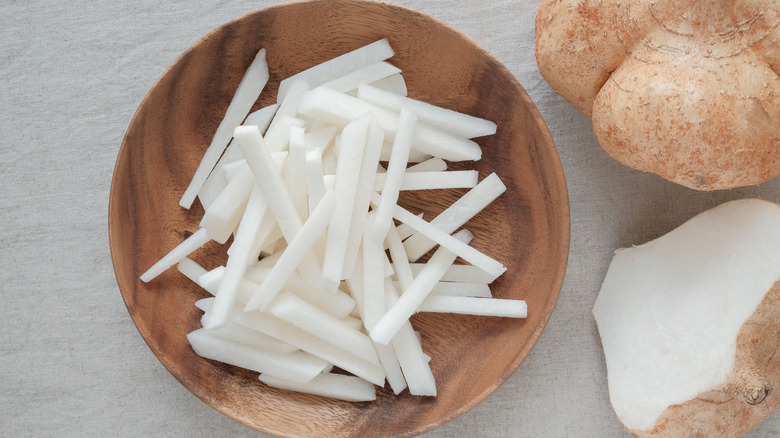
{"points": [[322, 268]]}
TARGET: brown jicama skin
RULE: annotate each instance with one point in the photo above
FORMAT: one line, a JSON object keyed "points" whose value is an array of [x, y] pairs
{"points": [[686, 89], [751, 394]]}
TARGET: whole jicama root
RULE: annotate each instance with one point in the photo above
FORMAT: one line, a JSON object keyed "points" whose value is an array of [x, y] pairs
{"points": [[687, 90]]}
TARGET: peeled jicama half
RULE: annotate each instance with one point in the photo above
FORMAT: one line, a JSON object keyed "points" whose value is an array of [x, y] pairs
{"points": [[690, 325]]}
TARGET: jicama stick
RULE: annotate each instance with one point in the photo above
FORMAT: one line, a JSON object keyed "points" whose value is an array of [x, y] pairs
{"points": [[459, 273], [457, 214], [338, 386], [370, 73], [448, 120], [341, 65], [393, 84], [424, 180], [252, 83], [296, 170], [407, 304], [236, 333], [466, 252], [429, 165], [182, 250], [224, 214], [475, 306], [353, 140], [297, 366], [400, 261]]}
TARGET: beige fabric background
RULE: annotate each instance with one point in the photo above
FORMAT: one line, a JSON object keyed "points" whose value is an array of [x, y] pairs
{"points": [[71, 361]]}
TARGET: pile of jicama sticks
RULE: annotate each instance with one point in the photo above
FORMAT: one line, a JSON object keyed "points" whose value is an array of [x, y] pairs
{"points": [[308, 188]]}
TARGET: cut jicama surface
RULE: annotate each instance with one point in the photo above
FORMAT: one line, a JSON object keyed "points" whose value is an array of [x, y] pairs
{"points": [[323, 259]]}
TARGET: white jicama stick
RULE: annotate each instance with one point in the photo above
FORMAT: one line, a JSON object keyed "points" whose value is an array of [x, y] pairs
{"points": [[191, 269], [268, 177], [320, 139], [238, 260], [340, 109], [459, 274], [393, 84], [452, 179], [236, 333], [374, 140], [373, 280], [423, 284], [246, 95], [402, 143], [457, 214], [431, 165], [400, 261], [297, 366], [278, 131], [314, 178], [411, 358], [370, 73], [475, 306], [389, 361], [466, 252], [224, 214], [296, 166], [284, 331], [353, 140], [182, 250], [415, 156], [452, 289], [366, 55], [448, 120], [296, 251], [307, 317], [338, 386]]}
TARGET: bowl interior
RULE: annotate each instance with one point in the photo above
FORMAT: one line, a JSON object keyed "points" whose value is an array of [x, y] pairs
{"points": [[527, 228]]}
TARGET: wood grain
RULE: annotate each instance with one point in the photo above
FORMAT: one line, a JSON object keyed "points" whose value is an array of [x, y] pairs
{"points": [[527, 228]]}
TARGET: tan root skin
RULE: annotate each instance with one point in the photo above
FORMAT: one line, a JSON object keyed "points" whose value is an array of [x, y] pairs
{"points": [[748, 398], [687, 90]]}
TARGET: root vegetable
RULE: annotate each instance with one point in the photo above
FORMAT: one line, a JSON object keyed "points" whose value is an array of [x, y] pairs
{"points": [[689, 325], [687, 90]]}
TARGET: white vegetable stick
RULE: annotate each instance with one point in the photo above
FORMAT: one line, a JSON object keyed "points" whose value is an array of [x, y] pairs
{"points": [[267, 233], [278, 131], [459, 273], [370, 73], [457, 214], [340, 109], [395, 317], [339, 66], [374, 140], [415, 156], [307, 317], [411, 358], [296, 251], [446, 119], [353, 140], [373, 280], [396, 168], [284, 331], [224, 214], [296, 168], [464, 251], [475, 306], [270, 181], [338, 386], [453, 289], [191, 269], [429, 165], [239, 255], [389, 361], [232, 169], [253, 82], [181, 251], [236, 333], [297, 366], [400, 261], [451, 179], [320, 139], [314, 178], [394, 84]]}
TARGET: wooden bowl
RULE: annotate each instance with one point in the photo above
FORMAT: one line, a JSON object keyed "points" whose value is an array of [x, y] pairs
{"points": [[527, 228]]}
